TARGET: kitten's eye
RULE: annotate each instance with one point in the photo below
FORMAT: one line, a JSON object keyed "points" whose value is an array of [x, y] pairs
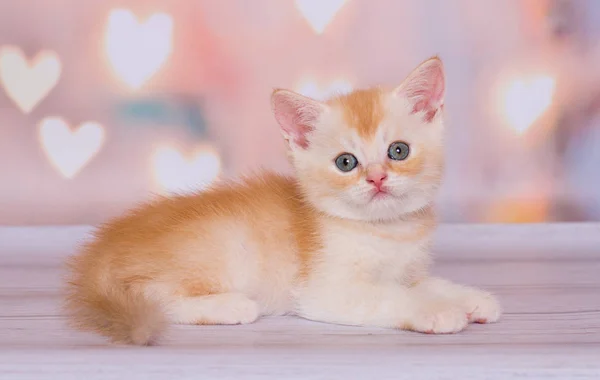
{"points": [[398, 151], [346, 162]]}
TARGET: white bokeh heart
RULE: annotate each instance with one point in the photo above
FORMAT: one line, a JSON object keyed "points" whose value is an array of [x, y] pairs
{"points": [[526, 99], [319, 91], [28, 82], [175, 173], [137, 50], [69, 150], [319, 13]]}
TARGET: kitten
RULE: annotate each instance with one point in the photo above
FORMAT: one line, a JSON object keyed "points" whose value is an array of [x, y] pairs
{"points": [[346, 241]]}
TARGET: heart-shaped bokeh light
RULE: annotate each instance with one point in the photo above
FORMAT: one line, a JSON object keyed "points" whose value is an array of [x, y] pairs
{"points": [[319, 13], [524, 100], [69, 150], [176, 173], [323, 91], [137, 50], [28, 82]]}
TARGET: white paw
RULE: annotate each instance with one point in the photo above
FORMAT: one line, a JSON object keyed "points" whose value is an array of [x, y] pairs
{"points": [[438, 317], [482, 307], [239, 311]]}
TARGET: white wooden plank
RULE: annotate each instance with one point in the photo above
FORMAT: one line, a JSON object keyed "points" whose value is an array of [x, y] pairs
{"points": [[545, 275]]}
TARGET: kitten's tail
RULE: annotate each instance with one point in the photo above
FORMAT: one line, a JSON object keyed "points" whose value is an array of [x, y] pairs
{"points": [[111, 310]]}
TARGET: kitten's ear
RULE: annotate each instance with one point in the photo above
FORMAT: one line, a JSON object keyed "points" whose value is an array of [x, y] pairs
{"points": [[425, 88], [296, 114]]}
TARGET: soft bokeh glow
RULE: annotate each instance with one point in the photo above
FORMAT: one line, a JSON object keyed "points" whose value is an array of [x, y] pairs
{"points": [[319, 13], [529, 210], [28, 82], [526, 99], [522, 109], [69, 150], [311, 88], [137, 50], [175, 173]]}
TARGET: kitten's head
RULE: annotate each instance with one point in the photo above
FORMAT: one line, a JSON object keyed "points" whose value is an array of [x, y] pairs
{"points": [[372, 154]]}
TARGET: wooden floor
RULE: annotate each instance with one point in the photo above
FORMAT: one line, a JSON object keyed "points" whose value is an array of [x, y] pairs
{"points": [[547, 277]]}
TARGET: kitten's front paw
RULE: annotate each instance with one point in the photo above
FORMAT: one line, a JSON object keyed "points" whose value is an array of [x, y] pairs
{"points": [[482, 307], [438, 318]]}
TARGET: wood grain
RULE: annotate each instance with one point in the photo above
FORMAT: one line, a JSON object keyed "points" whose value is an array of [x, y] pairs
{"points": [[547, 277]]}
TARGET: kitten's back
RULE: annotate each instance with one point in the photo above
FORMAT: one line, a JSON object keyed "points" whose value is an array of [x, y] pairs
{"points": [[255, 237]]}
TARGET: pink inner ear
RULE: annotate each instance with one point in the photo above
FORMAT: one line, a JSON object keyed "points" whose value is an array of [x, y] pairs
{"points": [[300, 139], [296, 115], [426, 87]]}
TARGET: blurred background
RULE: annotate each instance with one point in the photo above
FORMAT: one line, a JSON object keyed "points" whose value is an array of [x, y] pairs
{"points": [[104, 103]]}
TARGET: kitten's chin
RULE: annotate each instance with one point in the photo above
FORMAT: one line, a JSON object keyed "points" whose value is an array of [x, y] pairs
{"points": [[384, 207], [391, 207]]}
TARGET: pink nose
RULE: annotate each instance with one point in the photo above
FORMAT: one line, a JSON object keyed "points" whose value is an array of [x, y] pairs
{"points": [[376, 178]]}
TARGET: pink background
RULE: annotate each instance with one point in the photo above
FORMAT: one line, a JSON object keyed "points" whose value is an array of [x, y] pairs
{"points": [[227, 56]]}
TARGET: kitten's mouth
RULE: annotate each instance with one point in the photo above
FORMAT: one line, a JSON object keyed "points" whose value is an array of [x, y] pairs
{"points": [[380, 194]]}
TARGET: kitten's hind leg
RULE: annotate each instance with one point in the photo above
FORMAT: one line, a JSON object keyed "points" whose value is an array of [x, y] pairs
{"points": [[214, 309]]}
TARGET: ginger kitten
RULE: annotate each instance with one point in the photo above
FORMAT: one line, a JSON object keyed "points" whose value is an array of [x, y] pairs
{"points": [[346, 241]]}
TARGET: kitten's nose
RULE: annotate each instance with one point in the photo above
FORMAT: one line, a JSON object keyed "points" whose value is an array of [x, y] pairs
{"points": [[376, 177]]}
